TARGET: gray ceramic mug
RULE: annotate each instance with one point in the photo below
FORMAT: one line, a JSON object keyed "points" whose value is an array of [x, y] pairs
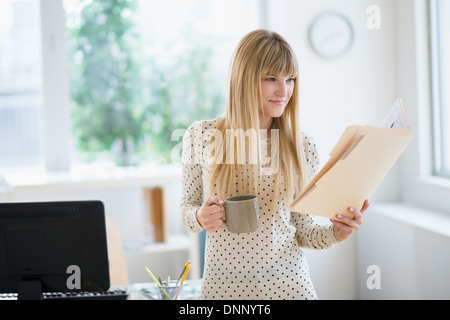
{"points": [[241, 213]]}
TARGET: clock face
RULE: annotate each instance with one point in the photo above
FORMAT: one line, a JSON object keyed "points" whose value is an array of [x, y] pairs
{"points": [[331, 35]]}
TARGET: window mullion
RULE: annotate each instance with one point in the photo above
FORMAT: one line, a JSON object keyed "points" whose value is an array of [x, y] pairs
{"points": [[55, 86]]}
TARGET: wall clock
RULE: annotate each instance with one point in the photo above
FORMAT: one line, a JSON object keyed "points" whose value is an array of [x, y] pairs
{"points": [[331, 35]]}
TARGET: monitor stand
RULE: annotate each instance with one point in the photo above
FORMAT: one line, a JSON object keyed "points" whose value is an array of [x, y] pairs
{"points": [[29, 290]]}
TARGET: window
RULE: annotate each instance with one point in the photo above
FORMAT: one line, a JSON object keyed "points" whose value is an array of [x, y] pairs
{"points": [[20, 84], [440, 53], [141, 69], [126, 74]]}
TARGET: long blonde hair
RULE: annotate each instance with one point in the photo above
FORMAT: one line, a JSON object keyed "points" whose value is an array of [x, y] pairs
{"points": [[260, 53]]}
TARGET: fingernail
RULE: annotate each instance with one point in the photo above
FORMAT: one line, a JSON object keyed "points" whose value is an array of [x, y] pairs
{"points": [[350, 209], [338, 216]]}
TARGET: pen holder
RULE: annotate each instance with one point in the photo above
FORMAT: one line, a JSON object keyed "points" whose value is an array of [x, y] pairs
{"points": [[171, 291]]}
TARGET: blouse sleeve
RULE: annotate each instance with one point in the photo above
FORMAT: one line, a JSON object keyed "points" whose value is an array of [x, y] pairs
{"points": [[192, 183], [310, 234]]}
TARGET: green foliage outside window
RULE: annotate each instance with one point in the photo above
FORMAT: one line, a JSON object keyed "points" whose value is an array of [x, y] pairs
{"points": [[127, 105]]}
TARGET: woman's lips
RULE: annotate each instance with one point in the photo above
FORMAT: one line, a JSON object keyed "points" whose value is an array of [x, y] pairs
{"points": [[278, 102]]}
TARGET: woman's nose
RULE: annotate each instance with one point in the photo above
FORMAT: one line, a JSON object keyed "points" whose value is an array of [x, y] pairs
{"points": [[281, 90]]}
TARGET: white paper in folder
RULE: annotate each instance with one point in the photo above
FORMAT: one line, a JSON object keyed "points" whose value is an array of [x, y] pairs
{"points": [[358, 163]]}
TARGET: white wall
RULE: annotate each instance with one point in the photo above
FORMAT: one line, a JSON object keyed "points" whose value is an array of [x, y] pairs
{"points": [[409, 245], [358, 88]]}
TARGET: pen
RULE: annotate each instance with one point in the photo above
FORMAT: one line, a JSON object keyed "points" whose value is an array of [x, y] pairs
{"points": [[157, 282]]}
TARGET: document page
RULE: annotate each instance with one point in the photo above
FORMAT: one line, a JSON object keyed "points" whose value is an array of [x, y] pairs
{"points": [[395, 118]]}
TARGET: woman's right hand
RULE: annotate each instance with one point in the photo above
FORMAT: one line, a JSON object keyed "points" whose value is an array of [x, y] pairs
{"points": [[210, 214]]}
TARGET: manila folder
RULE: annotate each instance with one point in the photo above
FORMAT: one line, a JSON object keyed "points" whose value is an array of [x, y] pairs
{"points": [[353, 172]]}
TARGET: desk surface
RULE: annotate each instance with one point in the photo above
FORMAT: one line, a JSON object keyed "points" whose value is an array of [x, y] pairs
{"points": [[149, 291]]}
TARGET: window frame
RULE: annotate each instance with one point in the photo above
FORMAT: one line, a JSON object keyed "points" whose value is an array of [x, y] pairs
{"points": [[436, 88], [419, 184], [56, 98]]}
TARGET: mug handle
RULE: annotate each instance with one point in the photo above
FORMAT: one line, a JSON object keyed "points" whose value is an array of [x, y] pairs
{"points": [[224, 217]]}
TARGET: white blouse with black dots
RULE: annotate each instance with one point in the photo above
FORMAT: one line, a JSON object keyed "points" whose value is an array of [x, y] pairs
{"points": [[267, 263]]}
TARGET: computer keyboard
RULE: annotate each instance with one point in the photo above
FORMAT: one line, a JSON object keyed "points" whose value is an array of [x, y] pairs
{"points": [[111, 294]]}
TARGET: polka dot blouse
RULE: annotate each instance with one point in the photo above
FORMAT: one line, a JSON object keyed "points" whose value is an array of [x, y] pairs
{"points": [[267, 263]]}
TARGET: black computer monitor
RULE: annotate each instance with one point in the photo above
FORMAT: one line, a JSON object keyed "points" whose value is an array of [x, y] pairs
{"points": [[53, 247]]}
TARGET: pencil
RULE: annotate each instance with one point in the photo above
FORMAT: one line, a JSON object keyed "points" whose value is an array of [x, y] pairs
{"points": [[153, 277], [188, 265], [182, 273]]}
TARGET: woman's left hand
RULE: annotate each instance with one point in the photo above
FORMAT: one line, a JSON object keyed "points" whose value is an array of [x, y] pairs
{"points": [[345, 226]]}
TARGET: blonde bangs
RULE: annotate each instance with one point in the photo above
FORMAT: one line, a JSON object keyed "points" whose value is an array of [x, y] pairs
{"points": [[280, 61]]}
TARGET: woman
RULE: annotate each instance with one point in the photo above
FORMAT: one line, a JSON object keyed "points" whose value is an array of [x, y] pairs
{"points": [[267, 263]]}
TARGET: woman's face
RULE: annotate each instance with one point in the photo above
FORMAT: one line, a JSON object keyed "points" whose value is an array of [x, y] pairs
{"points": [[276, 91]]}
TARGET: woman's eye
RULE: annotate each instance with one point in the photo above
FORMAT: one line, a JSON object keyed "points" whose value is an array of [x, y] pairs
{"points": [[271, 79], [291, 80]]}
